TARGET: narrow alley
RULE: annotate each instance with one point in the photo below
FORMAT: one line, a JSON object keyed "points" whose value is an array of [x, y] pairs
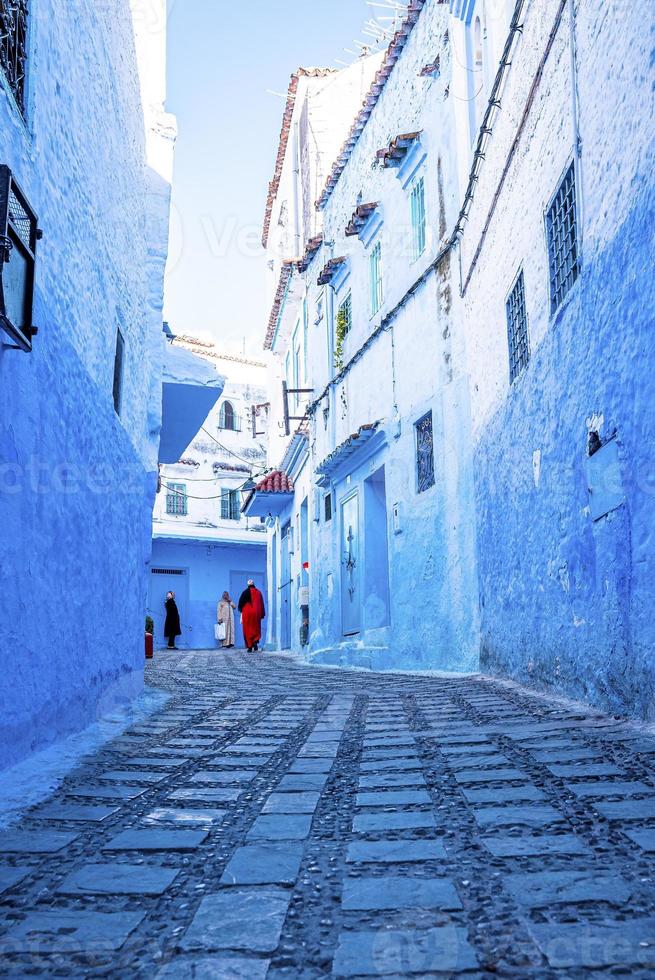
{"points": [[278, 820]]}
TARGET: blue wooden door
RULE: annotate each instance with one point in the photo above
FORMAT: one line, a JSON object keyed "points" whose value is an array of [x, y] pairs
{"points": [[285, 589], [350, 573]]}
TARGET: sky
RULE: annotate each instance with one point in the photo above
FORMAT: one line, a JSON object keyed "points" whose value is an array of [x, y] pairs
{"points": [[225, 57]]}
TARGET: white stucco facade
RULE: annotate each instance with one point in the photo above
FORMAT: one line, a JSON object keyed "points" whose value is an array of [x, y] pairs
{"points": [[485, 131]]}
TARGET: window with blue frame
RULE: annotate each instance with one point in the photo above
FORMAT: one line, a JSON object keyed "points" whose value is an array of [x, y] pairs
{"points": [[305, 342], [375, 265], [230, 505], [562, 234], [176, 499], [417, 205], [424, 453]]}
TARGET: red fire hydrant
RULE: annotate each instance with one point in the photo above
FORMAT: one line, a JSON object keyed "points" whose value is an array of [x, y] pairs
{"points": [[149, 646]]}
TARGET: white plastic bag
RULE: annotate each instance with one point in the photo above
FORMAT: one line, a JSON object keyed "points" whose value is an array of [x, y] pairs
{"points": [[219, 631]]}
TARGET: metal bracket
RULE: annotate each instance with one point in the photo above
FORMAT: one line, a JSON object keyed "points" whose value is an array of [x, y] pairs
{"points": [[286, 391]]}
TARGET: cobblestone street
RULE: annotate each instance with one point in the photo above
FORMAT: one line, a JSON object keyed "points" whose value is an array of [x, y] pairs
{"points": [[273, 820]]}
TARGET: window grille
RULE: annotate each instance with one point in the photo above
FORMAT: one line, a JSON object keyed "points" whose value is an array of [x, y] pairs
{"points": [[230, 505], [13, 46], [227, 417], [345, 316], [176, 499], [517, 329], [424, 453], [167, 571], [417, 202], [327, 502], [119, 358], [376, 278], [19, 235], [561, 229]]}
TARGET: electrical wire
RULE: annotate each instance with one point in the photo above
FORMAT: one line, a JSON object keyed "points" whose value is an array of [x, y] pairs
{"points": [[248, 462], [190, 496]]}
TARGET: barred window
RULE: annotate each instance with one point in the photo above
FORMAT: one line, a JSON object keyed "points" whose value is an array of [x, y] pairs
{"points": [[230, 505], [327, 503], [345, 316], [424, 453], [561, 229], [176, 499], [417, 202], [13, 46], [376, 278], [517, 329]]}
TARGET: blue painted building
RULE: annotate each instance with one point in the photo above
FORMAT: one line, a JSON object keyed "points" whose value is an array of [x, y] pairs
{"points": [[84, 135], [202, 544], [557, 293], [462, 339]]}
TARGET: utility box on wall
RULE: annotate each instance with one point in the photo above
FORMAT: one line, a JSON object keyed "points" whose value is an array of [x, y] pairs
{"points": [[604, 481]]}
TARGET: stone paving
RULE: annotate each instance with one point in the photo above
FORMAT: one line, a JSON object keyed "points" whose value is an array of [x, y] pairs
{"points": [[273, 820]]}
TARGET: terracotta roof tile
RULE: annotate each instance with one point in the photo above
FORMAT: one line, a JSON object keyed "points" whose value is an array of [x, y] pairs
{"points": [[276, 482], [393, 154], [330, 269], [360, 216]]}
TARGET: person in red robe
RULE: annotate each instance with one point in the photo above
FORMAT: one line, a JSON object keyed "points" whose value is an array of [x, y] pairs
{"points": [[251, 607]]}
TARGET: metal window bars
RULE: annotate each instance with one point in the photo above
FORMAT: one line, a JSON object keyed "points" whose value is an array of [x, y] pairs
{"points": [[561, 229], [517, 329], [424, 453], [13, 46], [345, 314]]}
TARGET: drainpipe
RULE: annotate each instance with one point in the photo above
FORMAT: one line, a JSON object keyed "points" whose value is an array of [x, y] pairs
{"points": [[575, 112]]}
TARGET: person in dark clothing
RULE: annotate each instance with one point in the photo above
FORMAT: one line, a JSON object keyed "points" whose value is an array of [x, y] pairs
{"points": [[251, 607], [172, 627]]}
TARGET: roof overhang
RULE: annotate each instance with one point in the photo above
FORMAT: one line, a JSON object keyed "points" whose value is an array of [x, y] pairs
{"points": [[255, 539], [333, 271], [191, 387], [352, 452], [267, 503], [296, 454]]}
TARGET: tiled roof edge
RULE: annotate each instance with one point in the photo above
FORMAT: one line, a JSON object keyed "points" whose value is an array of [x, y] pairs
{"points": [[394, 51], [285, 275], [274, 185]]}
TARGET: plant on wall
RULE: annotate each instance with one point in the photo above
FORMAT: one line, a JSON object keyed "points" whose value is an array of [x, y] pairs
{"points": [[341, 329]]}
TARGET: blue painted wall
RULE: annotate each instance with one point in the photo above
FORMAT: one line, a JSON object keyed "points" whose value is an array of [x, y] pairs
{"points": [[76, 481], [208, 570], [567, 602]]}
